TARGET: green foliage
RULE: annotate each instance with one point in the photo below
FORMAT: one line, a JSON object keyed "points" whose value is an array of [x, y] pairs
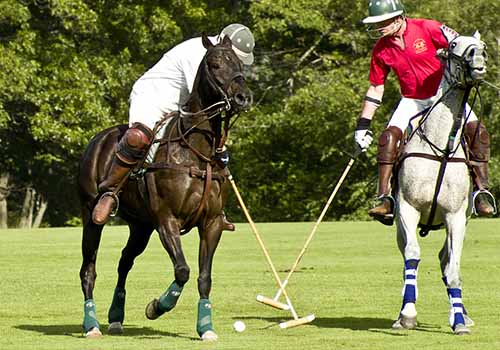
{"points": [[67, 68]]}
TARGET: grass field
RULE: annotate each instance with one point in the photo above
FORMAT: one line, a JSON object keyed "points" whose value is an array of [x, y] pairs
{"points": [[350, 279]]}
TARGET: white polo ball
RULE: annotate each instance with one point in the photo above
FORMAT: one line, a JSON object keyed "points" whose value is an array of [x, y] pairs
{"points": [[239, 326]]}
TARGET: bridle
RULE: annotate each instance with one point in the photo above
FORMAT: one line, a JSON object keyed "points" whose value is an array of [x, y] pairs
{"points": [[455, 80], [221, 88]]}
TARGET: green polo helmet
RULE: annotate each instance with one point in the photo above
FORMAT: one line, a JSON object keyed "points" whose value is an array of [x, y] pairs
{"points": [[381, 10]]}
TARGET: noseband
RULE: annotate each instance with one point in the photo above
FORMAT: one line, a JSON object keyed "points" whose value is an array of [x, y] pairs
{"points": [[221, 87]]}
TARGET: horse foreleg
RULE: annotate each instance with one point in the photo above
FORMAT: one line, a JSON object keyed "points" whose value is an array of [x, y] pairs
{"points": [[171, 241], [137, 242], [90, 244], [209, 239], [407, 222], [450, 257]]}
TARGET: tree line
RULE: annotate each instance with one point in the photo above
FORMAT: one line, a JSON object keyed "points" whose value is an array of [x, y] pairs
{"points": [[67, 68]]}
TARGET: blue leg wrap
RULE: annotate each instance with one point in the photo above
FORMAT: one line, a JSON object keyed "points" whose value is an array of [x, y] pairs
{"points": [[410, 291], [457, 307]]}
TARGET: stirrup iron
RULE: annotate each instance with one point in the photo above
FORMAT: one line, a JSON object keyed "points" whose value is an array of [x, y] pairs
{"points": [[491, 201], [117, 202]]}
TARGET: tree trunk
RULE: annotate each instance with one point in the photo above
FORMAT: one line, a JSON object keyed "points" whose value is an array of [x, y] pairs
{"points": [[4, 192], [27, 210], [41, 208]]}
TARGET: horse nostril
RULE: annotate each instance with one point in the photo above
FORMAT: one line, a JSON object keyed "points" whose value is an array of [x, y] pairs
{"points": [[239, 99]]}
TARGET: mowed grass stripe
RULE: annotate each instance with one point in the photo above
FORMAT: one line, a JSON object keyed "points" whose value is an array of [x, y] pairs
{"points": [[350, 278]]}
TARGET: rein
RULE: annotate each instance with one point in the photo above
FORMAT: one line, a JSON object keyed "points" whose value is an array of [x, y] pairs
{"points": [[447, 156]]}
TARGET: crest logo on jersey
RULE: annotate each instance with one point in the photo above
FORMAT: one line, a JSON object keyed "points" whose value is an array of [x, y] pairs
{"points": [[419, 46]]}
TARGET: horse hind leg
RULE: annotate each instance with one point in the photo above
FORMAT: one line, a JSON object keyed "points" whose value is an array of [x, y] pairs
{"points": [[170, 238], [90, 244], [450, 256], [136, 244]]}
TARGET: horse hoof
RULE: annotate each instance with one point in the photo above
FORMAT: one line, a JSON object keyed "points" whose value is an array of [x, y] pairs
{"points": [[405, 323], [115, 328], [461, 329], [468, 321], [209, 336], [93, 333], [151, 308]]}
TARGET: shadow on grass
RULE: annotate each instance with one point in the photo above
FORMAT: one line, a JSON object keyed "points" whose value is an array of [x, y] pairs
{"points": [[76, 331], [371, 324]]}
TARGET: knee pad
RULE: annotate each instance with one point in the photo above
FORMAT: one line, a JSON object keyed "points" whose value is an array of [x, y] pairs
{"points": [[478, 140], [388, 144], [134, 143]]}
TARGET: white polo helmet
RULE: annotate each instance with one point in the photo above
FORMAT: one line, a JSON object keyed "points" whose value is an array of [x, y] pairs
{"points": [[242, 40], [381, 10]]}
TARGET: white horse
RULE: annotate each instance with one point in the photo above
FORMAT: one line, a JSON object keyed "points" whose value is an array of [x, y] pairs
{"points": [[444, 163]]}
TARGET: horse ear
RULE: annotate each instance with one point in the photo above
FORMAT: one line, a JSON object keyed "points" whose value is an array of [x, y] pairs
{"points": [[206, 41], [226, 42], [477, 35]]}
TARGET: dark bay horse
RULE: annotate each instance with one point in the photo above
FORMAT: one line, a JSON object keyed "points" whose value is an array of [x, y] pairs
{"points": [[185, 187]]}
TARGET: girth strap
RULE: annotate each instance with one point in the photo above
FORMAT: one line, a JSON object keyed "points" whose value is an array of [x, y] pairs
{"points": [[207, 175], [191, 170], [206, 192], [432, 157]]}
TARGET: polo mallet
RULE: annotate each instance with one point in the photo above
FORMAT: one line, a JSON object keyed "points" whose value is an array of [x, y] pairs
{"points": [[296, 320], [274, 302]]}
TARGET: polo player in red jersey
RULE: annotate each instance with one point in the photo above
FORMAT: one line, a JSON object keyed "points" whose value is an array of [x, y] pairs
{"points": [[409, 48]]}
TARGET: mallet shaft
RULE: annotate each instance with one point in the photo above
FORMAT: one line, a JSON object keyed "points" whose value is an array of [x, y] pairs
{"points": [[311, 235], [261, 243]]}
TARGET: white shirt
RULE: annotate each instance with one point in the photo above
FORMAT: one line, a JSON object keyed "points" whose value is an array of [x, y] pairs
{"points": [[169, 82]]}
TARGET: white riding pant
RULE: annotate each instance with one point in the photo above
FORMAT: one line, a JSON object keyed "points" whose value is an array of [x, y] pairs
{"points": [[149, 104], [145, 109], [410, 107]]}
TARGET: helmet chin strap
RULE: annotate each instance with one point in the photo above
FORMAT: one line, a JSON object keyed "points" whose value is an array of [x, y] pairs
{"points": [[392, 28], [388, 30]]}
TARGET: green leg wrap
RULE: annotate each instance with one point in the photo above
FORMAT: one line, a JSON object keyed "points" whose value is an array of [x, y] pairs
{"points": [[168, 300], [117, 310], [90, 317], [204, 322]]}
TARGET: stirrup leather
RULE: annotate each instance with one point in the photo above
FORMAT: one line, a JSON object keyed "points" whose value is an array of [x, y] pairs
{"points": [[491, 200], [117, 202]]}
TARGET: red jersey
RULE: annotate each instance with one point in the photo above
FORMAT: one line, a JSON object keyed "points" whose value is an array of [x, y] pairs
{"points": [[418, 69]]}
